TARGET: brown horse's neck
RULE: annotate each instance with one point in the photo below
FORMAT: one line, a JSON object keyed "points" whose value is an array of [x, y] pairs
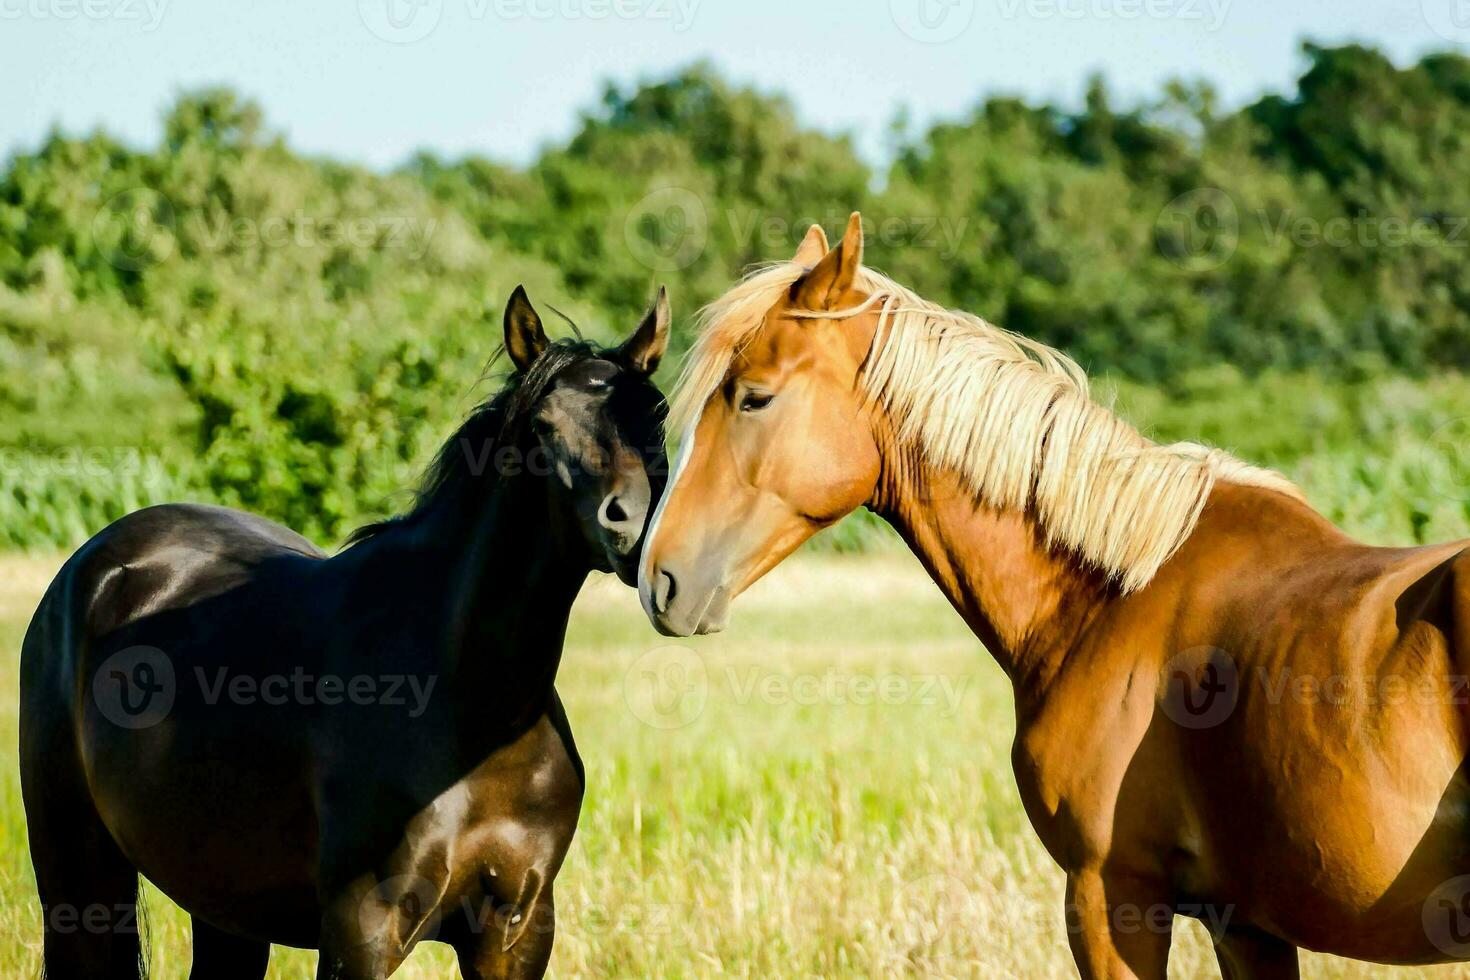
{"points": [[1026, 602]]}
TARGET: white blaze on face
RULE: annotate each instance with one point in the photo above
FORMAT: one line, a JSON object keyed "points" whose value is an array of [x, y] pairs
{"points": [[645, 583]]}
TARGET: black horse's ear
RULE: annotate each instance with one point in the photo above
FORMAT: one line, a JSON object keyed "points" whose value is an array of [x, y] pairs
{"points": [[525, 338], [645, 348]]}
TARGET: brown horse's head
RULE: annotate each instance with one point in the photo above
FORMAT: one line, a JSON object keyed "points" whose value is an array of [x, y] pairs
{"points": [[776, 439]]}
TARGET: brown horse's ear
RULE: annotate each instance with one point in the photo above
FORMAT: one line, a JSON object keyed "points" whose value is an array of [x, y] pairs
{"points": [[524, 337], [812, 247], [824, 286], [645, 348]]}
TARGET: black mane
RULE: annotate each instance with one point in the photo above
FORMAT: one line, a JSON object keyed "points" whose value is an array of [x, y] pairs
{"points": [[495, 422]]}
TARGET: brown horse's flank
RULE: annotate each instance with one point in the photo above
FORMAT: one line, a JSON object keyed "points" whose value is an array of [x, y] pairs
{"points": [[1225, 706]]}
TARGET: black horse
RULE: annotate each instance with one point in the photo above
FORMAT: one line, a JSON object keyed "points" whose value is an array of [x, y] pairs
{"points": [[357, 752]]}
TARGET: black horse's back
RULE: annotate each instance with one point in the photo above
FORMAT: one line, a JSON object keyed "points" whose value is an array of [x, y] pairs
{"points": [[146, 562]]}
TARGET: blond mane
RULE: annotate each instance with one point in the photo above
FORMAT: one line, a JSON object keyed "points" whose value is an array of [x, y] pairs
{"points": [[1011, 416]]}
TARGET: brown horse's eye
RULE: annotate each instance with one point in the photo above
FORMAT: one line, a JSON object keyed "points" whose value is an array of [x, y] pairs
{"points": [[754, 401]]}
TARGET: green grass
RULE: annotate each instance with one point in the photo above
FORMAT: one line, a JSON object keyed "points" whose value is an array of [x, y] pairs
{"points": [[767, 814]]}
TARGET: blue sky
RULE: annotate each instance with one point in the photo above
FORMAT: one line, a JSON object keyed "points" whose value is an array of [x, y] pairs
{"points": [[373, 80]]}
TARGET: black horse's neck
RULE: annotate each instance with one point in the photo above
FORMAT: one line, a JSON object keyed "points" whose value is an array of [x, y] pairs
{"points": [[519, 570], [487, 574]]}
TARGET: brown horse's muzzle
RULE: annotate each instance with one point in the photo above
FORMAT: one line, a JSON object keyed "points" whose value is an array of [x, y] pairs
{"points": [[683, 602]]}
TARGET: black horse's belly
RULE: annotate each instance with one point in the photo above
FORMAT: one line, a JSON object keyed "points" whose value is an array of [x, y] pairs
{"points": [[214, 805]]}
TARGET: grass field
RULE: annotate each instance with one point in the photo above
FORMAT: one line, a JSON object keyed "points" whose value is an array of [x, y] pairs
{"points": [[823, 790]]}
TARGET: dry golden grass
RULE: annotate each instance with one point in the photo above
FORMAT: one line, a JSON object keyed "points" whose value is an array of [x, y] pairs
{"points": [[823, 790]]}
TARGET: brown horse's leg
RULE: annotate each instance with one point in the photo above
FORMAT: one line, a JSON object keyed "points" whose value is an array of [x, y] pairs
{"points": [[219, 955], [1249, 954], [1119, 926]]}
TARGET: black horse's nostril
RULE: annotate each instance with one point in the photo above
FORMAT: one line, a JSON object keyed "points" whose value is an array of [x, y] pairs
{"points": [[664, 591], [613, 515]]}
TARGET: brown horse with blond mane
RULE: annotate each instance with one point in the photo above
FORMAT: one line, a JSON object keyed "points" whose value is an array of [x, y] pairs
{"points": [[1225, 707]]}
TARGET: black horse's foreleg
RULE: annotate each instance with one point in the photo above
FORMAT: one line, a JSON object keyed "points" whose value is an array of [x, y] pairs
{"points": [[371, 925], [487, 955], [499, 939], [219, 955]]}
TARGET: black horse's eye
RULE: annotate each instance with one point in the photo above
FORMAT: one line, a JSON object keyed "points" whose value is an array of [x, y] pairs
{"points": [[754, 401]]}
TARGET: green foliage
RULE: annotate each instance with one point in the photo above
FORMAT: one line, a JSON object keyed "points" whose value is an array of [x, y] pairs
{"points": [[220, 319]]}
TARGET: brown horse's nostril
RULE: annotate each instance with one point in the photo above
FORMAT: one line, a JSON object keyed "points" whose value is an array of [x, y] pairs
{"points": [[614, 511], [664, 591]]}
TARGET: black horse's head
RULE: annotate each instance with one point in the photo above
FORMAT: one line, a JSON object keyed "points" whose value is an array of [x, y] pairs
{"points": [[578, 423], [588, 422]]}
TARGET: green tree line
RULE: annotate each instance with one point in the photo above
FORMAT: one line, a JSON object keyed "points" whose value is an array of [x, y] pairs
{"points": [[218, 317]]}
